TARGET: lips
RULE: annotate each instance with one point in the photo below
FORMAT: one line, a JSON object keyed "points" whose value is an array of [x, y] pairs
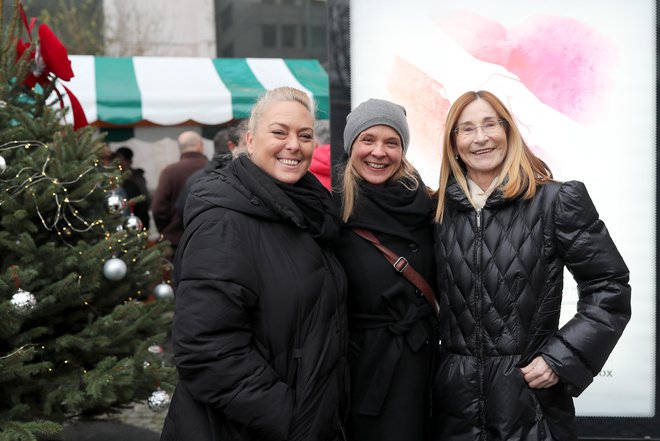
{"points": [[483, 151]]}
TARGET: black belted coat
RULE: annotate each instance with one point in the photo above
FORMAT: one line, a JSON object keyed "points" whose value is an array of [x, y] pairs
{"points": [[392, 328], [259, 329], [500, 273]]}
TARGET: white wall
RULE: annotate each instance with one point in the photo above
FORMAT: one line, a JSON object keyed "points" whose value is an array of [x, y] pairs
{"points": [[159, 28], [155, 147]]}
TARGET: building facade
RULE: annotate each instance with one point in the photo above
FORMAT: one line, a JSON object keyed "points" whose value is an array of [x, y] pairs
{"points": [[272, 29]]}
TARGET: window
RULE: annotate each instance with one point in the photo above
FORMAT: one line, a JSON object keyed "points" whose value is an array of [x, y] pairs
{"points": [[268, 35], [303, 36], [227, 51], [318, 36], [288, 36], [226, 17]]}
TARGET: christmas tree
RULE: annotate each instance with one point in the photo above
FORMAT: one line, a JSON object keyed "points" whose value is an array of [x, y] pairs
{"points": [[79, 336]]}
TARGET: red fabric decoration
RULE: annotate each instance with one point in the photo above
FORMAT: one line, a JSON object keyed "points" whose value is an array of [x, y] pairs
{"points": [[54, 54], [52, 60]]}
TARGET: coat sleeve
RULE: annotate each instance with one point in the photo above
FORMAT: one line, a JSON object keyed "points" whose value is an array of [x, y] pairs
{"points": [[212, 335], [161, 204], [579, 350]]}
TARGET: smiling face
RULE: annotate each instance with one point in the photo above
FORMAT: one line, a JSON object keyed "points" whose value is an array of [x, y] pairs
{"points": [[376, 154], [282, 142], [482, 151]]}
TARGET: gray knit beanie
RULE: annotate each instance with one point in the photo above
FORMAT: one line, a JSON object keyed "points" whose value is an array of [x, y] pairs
{"points": [[374, 112]]}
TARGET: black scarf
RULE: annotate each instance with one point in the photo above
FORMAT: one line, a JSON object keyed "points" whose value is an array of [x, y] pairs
{"points": [[307, 203], [392, 208]]}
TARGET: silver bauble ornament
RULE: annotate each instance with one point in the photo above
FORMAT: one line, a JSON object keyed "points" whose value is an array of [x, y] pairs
{"points": [[3, 104], [114, 202], [163, 291], [133, 223], [23, 301], [3, 165], [159, 400], [114, 269]]}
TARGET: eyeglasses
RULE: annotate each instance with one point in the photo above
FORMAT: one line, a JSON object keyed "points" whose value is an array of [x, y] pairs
{"points": [[489, 128]]}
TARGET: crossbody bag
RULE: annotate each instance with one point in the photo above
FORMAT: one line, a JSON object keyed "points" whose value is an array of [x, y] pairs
{"points": [[402, 266]]}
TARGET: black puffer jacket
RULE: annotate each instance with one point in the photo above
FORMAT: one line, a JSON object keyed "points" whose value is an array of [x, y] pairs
{"points": [[259, 328], [500, 285]]}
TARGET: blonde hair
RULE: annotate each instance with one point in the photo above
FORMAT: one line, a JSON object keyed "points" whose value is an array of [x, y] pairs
{"points": [[348, 186], [521, 169], [278, 95]]}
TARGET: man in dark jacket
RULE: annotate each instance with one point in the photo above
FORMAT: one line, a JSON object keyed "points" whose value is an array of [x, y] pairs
{"points": [[224, 143], [170, 183]]}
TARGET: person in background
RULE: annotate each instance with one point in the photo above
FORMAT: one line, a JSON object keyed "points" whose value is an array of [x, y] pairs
{"points": [[259, 330], [393, 325], [505, 231], [225, 142], [320, 166], [134, 185], [170, 184]]}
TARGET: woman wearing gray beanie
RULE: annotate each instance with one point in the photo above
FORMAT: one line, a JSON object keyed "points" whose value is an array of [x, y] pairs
{"points": [[392, 324]]}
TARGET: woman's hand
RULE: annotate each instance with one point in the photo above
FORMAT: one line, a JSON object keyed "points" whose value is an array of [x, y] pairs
{"points": [[539, 375]]}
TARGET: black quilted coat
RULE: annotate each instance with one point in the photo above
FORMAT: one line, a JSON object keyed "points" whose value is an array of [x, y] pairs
{"points": [[500, 285], [259, 328]]}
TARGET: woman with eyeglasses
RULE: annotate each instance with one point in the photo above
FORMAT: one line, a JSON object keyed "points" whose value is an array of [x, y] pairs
{"points": [[505, 230]]}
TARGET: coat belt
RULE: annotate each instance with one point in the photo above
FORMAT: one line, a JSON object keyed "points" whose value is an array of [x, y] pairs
{"points": [[387, 350]]}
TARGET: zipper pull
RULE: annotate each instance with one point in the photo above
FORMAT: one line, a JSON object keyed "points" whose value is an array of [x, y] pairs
{"points": [[478, 218]]}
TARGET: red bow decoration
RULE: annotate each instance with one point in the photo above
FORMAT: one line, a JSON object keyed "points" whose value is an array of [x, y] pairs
{"points": [[50, 57]]}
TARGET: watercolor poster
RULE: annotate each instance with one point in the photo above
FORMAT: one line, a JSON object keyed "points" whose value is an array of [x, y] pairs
{"points": [[580, 79]]}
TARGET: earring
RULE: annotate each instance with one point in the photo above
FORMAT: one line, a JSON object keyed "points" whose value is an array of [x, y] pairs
{"points": [[456, 157]]}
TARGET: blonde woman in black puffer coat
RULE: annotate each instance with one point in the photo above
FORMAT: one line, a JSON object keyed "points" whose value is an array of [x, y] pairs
{"points": [[505, 231]]}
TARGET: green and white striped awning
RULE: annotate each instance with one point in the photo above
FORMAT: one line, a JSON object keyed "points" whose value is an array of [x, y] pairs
{"points": [[169, 91]]}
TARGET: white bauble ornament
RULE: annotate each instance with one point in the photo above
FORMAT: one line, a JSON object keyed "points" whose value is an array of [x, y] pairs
{"points": [[159, 400], [163, 291], [114, 269], [23, 301], [155, 349], [114, 202], [3, 165], [133, 223]]}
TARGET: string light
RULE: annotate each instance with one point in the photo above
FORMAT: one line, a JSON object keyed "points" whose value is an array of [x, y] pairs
{"points": [[18, 351], [66, 211]]}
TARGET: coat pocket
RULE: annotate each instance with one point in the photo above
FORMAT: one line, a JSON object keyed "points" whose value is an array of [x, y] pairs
{"points": [[558, 410], [293, 374]]}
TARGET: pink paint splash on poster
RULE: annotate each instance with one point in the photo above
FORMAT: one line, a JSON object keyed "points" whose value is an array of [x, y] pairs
{"points": [[564, 62]]}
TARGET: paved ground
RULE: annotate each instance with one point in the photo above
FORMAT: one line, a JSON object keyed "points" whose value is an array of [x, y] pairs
{"points": [[142, 416], [137, 424]]}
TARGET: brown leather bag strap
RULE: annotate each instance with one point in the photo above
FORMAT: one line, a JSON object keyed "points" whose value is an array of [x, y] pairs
{"points": [[402, 266]]}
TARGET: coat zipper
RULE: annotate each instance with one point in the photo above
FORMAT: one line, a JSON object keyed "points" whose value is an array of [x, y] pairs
{"points": [[478, 297]]}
